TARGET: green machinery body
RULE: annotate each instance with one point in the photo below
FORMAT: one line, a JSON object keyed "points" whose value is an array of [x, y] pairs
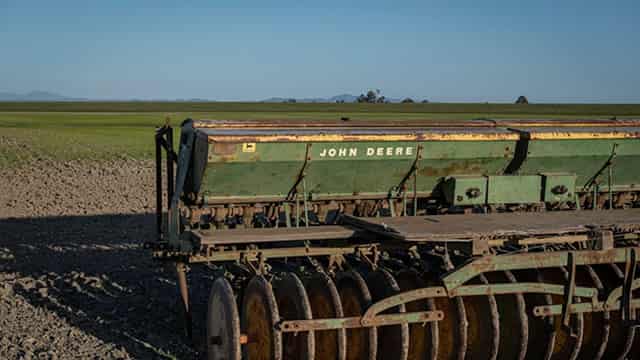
{"points": [[506, 161]]}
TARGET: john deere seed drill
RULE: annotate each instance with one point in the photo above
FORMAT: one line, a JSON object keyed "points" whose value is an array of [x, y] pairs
{"points": [[505, 239]]}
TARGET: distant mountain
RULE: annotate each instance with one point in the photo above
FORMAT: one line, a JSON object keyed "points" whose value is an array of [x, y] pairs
{"points": [[348, 98], [36, 96]]}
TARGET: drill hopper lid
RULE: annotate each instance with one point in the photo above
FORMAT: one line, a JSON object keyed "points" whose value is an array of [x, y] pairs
{"points": [[412, 130]]}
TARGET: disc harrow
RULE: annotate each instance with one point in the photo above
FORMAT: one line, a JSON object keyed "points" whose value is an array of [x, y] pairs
{"points": [[320, 314]]}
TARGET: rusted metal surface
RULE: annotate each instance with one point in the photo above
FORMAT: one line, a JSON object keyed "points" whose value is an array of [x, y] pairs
{"points": [[257, 235], [258, 320], [216, 200], [514, 324], [222, 255], [393, 341], [581, 133], [566, 122], [358, 322], [496, 225], [521, 288], [531, 260], [403, 298], [280, 124], [183, 290], [293, 303], [325, 303], [582, 308], [357, 135], [223, 339]]}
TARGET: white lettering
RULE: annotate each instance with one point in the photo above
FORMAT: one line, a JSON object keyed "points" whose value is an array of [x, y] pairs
{"points": [[323, 153], [389, 151], [380, 151], [332, 152], [399, 151], [342, 152], [353, 152], [408, 151], [371, 151]]}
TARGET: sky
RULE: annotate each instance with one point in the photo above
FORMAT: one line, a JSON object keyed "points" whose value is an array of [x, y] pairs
{"points": [[459, 51]]}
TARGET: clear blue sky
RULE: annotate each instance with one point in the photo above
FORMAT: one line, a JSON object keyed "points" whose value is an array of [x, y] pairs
{"points": [[561, 50]]}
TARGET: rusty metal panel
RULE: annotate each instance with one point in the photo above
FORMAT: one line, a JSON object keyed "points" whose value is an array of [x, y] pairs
{"points": [[465, 227]]}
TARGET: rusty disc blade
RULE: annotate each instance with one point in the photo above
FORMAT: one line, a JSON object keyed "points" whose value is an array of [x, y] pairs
{"points": [[325, 303], [423, 338], [541, 335], [223, 323], [484, 329], [596, 325], [452, 329], [514, 328], [258, 321], [567, 341], [293, 304], [635, 348], [356, 298], [621, 336], [393, 341]]}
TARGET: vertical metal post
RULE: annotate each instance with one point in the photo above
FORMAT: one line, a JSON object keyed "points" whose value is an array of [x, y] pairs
{"points": [[158, 185], [610, 187], [170, 186], [392, 206], [304, 199], [569, 291], [627, 289], [404, 203], [183, 288], [297, 210], [595, 196], [287, 214], [415, 193]]}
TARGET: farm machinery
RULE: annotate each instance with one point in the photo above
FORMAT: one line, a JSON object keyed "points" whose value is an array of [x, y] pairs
{"points": [[481, 239]]}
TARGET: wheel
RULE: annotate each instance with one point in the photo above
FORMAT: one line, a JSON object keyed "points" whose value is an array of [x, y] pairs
{"points": [[258, 321], [356, 298], [223, 323], [293, 304]]}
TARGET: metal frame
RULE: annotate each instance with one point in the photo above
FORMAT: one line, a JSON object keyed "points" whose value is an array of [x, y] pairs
{"points": [[164, 140]]}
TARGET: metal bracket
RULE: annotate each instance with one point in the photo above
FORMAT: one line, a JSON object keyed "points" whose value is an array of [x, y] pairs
{"points": [[400, 189], [164, 140], [627, 289], [293, 192], [184, 158], [569, 291], [594, 179], [301, 175], [257, 267], [373, 261], [602, 240]]}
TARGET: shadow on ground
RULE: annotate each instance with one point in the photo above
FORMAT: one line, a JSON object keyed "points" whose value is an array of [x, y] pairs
{"points": [[93, 272]]}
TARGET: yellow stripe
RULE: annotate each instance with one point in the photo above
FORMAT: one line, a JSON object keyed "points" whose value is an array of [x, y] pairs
{"points": [[381, 137], [583, 135]]}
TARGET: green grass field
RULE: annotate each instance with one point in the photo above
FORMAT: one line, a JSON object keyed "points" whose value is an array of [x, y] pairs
{"points": [[113, 130]]}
